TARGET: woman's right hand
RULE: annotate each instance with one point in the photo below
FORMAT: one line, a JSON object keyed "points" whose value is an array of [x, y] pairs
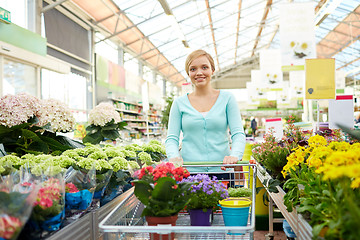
{"points": [[177, 161]]}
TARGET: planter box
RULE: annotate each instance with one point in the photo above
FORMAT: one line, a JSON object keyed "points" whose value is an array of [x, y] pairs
{"points": [[298, 224]]}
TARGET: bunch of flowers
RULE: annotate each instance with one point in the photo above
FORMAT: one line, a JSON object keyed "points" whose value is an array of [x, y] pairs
{"points": [[25, 122], [160, 189], [49, 206], [155, 149], [272, 153], [18, 109], [102, 114], [79, 189], [324, 180], [103, 173], [205, 193], [104, 122], [16, 206], [57, 114]]}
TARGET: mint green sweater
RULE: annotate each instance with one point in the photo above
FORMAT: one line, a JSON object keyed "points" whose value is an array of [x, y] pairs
{"points": [[205, 138]]}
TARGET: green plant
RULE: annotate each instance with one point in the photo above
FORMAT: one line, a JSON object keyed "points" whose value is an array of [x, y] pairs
{"points": [[166, 112], [96, 134], [239, 192], [158, 190], [29, 138]]}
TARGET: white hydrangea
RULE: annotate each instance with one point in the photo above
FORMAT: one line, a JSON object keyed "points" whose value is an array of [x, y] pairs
{"points": [[17, 109], [57, 114], [103, 114]]}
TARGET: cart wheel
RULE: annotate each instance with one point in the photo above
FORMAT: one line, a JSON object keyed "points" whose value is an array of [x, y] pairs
{"points": [[269, 236]]}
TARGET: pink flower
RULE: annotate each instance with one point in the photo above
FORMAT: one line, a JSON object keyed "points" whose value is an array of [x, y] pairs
{"points": [[8, 226], [71, 188]]}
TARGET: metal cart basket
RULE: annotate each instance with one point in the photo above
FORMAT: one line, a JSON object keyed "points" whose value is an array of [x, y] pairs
{"points": [[125, 221]]}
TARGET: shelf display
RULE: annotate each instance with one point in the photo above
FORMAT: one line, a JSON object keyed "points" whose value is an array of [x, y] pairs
{"points": [[139, 123]]}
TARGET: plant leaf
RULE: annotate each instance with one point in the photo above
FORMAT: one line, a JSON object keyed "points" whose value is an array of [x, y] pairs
{"points": [[142, 191], [111, 134]]}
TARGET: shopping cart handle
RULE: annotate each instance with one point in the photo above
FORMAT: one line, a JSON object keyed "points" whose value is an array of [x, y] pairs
{"points": [[213, 163]]}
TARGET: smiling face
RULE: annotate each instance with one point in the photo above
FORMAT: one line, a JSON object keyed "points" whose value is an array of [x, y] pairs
{"points": [[200, 71]]}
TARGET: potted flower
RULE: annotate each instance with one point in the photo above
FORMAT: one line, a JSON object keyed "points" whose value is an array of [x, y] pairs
{"points": [[104, 123], [163, 194], [205, 194]]}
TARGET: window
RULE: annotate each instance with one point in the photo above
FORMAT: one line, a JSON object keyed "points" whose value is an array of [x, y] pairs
{"points": [[131, 64], [19, 77], [106, 49], [68, 88], [148, 74]]}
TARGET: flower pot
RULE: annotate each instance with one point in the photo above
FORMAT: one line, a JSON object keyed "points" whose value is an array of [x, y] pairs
{"points": [[200, 218], [155, 221], [235, 212]]}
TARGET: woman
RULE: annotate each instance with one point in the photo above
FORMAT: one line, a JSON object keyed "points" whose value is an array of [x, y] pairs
{"points": [[204, 117]]}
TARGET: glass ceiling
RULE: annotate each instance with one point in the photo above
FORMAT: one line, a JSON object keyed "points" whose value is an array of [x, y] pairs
{"points": [[232, 33]]}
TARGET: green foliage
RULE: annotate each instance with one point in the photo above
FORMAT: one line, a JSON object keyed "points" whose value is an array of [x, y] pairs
{"points": [[29, 138], [12, 202], [96, 134], [164, 199], [239, 192], [166, 112]]}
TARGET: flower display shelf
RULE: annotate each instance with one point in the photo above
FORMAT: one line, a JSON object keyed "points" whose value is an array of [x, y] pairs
{"points": [[298, 224], [87, 227]]}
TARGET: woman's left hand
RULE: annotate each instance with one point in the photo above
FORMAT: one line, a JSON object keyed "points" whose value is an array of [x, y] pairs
{"points": [[229, 160]]}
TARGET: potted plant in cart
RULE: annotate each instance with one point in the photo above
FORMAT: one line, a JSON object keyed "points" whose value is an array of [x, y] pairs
{"points": [[163, 194], [205, 194]]}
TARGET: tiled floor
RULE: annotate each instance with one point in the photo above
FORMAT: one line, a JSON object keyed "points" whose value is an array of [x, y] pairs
{"points": [[278, 235]]}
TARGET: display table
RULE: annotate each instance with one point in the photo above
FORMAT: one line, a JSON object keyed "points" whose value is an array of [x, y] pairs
{"points": [[298, 224], [87, 227]]}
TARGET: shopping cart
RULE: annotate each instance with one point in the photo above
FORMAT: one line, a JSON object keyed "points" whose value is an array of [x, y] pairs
{"points": [[125, 221]]}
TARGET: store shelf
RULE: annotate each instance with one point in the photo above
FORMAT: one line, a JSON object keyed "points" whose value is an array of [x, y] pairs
{"points": [[298, 224], [123, 101], [134, 120], [128, 111]]}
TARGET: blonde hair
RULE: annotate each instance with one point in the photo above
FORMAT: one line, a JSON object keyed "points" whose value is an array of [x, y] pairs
{"points": [[195, 54]]}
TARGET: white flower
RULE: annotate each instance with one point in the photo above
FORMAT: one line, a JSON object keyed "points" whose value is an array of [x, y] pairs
{"points": [[17, 109], [57, 114], [103, 114]]}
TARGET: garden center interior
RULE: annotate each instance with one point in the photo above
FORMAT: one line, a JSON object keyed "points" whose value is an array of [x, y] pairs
{"points": [[287, 62]]}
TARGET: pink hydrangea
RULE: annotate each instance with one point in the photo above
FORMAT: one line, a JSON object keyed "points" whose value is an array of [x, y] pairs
{"points": [[103, 114], [17, 109], [57, 114]]}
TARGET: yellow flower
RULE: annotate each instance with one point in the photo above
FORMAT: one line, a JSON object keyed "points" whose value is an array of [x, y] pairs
{"points": [[355, 183], [339, 146], [317, 140], [314, 162]]}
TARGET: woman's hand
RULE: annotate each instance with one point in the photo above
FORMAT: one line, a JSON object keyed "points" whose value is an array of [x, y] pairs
{"points": [[229, 160], [177, 161]]}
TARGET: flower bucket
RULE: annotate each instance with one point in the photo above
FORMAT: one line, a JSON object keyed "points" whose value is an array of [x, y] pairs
{"points": [[200, 218], [164, 221], [235, 211]]}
